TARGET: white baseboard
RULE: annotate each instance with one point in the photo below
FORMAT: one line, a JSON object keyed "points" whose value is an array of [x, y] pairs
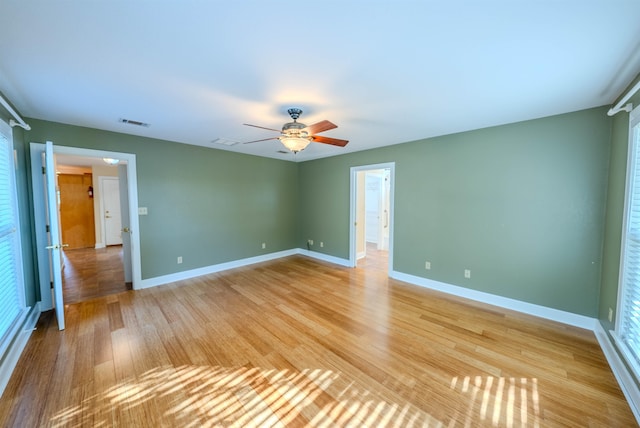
{"points": [[100, 245], [620, 371], [179, 276], [10, 359], [325, 257], [492, 299], [503, 302], [361, 255]]}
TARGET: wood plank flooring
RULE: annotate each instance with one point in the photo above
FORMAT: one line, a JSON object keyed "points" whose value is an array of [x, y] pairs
{"points": [[375, 260], [89, 273], [297, 342]]}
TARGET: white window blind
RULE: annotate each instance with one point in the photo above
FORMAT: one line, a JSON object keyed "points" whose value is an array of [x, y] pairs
{"points": [[628, 321], [11, 282]]}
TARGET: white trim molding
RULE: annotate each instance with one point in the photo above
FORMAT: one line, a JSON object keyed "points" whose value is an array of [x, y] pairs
{"points": [[479, 296], [10, 358], [622, 374], [325, 257], [187, 274], [353, 179], [503, 302]]}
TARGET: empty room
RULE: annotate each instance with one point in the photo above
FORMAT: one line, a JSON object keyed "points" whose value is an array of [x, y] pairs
{"points": [[409, 213]]}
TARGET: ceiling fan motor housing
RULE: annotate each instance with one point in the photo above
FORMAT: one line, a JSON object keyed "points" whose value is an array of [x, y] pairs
{"points": [[295, 129], [296, 136]]}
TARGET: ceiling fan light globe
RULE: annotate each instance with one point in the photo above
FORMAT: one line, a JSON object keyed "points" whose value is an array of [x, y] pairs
{"points": [[295, 144]]}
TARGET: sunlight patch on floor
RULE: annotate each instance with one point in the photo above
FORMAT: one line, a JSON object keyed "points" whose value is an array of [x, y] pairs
{"points": [[242, 397], [502, 401], [250, 396]]}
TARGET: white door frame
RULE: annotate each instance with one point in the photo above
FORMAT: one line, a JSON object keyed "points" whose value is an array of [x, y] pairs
{"points": [[39, 219], [391, 166]]}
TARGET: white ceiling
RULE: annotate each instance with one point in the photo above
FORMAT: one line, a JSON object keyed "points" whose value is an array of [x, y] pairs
{"points": [[385, 72]]}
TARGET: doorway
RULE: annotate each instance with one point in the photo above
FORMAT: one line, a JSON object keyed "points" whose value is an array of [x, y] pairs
{"points": [[371, 237], [90, 225], [111, 264]]}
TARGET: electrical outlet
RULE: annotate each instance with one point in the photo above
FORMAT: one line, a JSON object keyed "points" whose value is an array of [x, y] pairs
{"points": [[610, 315], [427, 265], [321, 244], [143, 211], [264, 245], [180, 260], [310, 241], [467, 273]]}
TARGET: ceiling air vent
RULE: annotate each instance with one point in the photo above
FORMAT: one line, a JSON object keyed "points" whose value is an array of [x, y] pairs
{"points": [[224, 142], [133, 122], [284, 152]]}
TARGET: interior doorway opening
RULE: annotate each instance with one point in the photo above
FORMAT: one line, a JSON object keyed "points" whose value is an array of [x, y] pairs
{"points": [[127, 254], [91, 227], [371, 239], [89, 273]]}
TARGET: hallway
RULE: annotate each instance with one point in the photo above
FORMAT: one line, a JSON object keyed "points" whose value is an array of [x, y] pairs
{"points": [[375, 260], [89, 273]]}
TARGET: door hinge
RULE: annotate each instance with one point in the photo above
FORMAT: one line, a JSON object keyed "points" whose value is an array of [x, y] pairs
{"points": [[44, 170], [48, 229], [51, 284]]}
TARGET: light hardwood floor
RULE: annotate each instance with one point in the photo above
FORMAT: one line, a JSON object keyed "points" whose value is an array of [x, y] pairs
{"points": [[89, 273], [297, 342]]}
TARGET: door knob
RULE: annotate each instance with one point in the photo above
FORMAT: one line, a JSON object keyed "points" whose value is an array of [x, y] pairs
{"points": [[107, 216], [126, 230], [56, 247]]}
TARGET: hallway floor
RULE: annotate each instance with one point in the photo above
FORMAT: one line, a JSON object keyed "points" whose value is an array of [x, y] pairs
{"points": [[89, 273], [375, 259]]}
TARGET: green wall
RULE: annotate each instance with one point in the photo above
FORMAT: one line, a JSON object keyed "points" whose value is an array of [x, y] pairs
{"points": [[520, 205], [614, 214], [208, 206]]}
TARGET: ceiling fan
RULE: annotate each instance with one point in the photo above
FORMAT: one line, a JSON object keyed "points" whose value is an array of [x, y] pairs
{"points": [[296, 136]]}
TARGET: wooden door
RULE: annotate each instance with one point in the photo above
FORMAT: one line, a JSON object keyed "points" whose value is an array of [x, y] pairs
{"points": [[76, 210]]}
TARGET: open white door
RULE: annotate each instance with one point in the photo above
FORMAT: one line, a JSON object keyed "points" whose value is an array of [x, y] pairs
{"points": [[55, 247], [126, 229]]}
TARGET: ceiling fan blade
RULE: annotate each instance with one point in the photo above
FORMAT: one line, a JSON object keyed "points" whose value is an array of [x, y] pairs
{"points": [[262, 127], [325, 125], [264, 139], [332, 141]]}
